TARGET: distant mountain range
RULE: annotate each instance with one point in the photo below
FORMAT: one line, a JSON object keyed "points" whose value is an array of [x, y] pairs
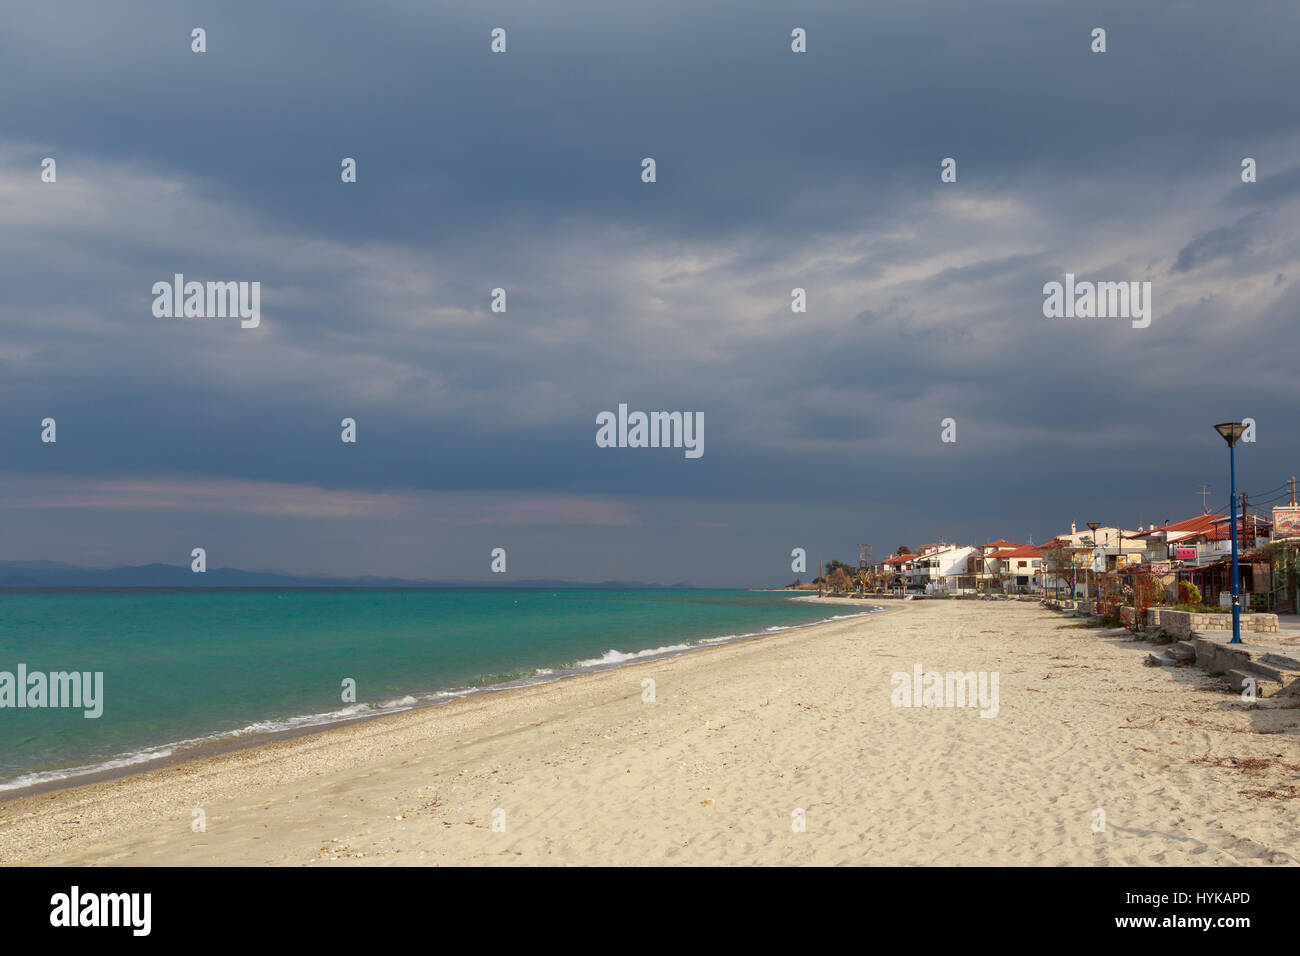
{"points": [[55, 574]]}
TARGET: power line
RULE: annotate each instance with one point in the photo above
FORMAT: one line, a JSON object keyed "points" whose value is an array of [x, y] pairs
{"points": [[1266, 501], [1260, 494]]}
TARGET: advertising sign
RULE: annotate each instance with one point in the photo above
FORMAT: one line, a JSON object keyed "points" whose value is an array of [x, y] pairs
{"points": [[1286, 523], [1185, 554]]}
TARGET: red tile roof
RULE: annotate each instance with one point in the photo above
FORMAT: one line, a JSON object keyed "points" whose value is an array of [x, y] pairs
{"points": [[1200, 524], [1212, 527], [1024, 551]]}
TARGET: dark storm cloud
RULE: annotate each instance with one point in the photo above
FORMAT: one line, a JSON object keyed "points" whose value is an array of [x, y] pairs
{"points": [[776, 171], [1225, 241]]}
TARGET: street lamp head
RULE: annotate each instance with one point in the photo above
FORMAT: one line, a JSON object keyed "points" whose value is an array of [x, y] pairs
{"points": [[1094, 525], [1231, 432]]}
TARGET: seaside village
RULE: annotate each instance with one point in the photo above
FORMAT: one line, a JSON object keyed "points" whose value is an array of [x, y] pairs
{"points": [[1172, 581], [1099, 561]]}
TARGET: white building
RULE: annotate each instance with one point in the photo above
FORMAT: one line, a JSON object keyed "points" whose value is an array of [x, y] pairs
{"points": [[937, 568]]}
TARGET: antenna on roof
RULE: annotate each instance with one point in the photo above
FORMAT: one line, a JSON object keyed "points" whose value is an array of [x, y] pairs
{"points": [[1205, 490]]}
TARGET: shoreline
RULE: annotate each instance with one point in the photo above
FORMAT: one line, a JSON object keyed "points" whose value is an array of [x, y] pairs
{"points": [[586, 770], [230, 741], [139, 784]]}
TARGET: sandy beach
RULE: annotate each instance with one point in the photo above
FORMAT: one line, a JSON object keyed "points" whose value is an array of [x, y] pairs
{"points": [[739, 739]]}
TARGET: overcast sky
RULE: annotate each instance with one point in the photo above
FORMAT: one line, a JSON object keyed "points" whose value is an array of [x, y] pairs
{"points": [[522, 170]]}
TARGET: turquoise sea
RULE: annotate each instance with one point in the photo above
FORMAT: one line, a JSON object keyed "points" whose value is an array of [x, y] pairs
{"points": [[184, 668]]}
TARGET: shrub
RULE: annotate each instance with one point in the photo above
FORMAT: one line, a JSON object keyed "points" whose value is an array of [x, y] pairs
{"points": [[1188, 593]]}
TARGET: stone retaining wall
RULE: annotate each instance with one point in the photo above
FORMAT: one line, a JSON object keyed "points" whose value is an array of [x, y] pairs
{"points": [[1183, 623]]}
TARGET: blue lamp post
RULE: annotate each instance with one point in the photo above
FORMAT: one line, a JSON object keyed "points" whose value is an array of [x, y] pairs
{"points": [[1231, 432]]}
